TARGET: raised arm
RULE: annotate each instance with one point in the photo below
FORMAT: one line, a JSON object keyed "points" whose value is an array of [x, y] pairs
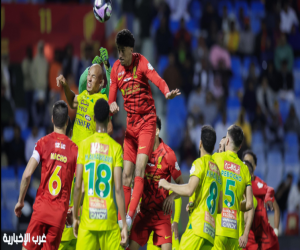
{"points": [[113, 93], [70, 95]]}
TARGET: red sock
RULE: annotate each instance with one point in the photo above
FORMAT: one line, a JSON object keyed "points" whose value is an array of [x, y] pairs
{"points": [[136, 195], [127, 194]]}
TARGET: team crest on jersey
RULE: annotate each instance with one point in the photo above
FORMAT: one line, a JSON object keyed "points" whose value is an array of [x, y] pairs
{"points": [[88, 118], [150, 66], [230, 166], [259, 185], [177, 166], [99, 148], [60, 145], [213, 167]]}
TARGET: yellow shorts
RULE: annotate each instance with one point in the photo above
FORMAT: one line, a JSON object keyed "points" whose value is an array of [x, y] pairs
{"points": [[150, 246], [98, 239], [68, 245], [189, 240], [224, 243]]}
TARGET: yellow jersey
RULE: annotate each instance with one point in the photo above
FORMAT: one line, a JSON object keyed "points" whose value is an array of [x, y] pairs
{"points": [[84, 124], [99, 154], [235, 178], [206, 197]]}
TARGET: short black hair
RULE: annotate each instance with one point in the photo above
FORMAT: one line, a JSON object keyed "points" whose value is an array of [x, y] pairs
{"points": [[236, 134], [208, 138], [69, 127], [101, 110], [158, 122], [250, 167], [250, 152], [125, 38], [60, 114]]}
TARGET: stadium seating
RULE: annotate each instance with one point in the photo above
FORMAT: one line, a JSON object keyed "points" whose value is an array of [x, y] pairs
{"points": [[8, 134], [261, 167], [275, 168], [257, 8], [297, 63], [163, 63], [235, 84], [6, 222], [284, 108], [174, 26], [196, 10], [236, 66], [241, 5], [257, 142], [291, 142], [225, 3], [8, 181], [233, 109], [21, 118]]}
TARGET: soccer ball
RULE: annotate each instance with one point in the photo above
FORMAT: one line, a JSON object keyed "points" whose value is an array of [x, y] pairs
{"points": [[102, 10]]}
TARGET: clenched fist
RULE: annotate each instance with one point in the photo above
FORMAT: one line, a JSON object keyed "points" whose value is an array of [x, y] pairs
{"points": [[60, 80]]}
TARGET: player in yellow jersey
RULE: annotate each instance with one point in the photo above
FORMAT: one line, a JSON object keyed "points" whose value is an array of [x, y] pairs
{"points": [[205, 185], [99, 165], [175, 240], [236, 182]]}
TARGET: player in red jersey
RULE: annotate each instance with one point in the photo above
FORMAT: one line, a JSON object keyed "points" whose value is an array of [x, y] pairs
{"points": [[130, 74], [58, 155], [155, 209], [261, 233]]}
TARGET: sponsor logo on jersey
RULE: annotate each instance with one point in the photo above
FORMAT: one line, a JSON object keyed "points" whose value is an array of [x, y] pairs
{"points": [[131, 89], [209, 230], [82, 123], [192, 169], [99, 148], [213, 167], [260, 185], [134, 73], [88, 118], [177, 166], [153, 177], [232, 167], [97, 208], [60, 145], [120, 73], [150, 66], [229, 213], [58, 157], [229, 223], [127, 79], [84, 102], [151, 165], [210, 219]]}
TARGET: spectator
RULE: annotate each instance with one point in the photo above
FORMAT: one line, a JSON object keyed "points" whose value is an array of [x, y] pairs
{"points": [[28, 81], [203, 75], [210, 109], [249, 101], [188, 152], [201, 51], [195, 125], [164, 11], [292, 124], [209, 17], [163, 38], [128, 8], [263, 43], [30, 143], [4, 158], [271, 75], [241, 19], [241, 122], [282, 193], [196, 101], [232, 38], [172, 73], [86, 61], [247, 39], [16, 149], [182, 35], [219, 55], [225, 19], [286, 83], [145, 14], [293, 40], [70, 61], [288, 17], [293, 204], [252, 75], [221, 128], [187, 73], [259, 123], [179, 9], [265, 97], [7, 113], [283, 52]]}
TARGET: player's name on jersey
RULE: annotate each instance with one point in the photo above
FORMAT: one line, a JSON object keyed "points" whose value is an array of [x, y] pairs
{"points": [[214, 175], [91, 157], [58, 157], [15, 239], [231, 175]]}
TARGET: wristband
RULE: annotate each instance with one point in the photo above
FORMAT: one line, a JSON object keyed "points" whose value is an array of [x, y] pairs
{"points": [[276, 231]]}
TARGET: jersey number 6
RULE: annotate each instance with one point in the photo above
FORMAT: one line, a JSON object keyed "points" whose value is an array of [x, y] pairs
{"points": [[55, 178]]}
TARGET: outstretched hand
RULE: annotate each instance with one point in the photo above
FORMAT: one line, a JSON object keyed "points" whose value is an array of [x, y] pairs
{"points": [[173, 94]]}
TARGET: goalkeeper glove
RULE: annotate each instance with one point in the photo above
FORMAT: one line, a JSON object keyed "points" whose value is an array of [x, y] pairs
{"points": [[104, 57], [97, 60]]}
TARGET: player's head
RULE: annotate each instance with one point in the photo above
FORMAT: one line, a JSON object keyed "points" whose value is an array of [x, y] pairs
{"points": [[250, 167], [248, 155], [60, 115], [208, 139], [125, 45], [69, 130], [158, 126], [234, 138], [101, 113], [94, 79], [222, 145]]}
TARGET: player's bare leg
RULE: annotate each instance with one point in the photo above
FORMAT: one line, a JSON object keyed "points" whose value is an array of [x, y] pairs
{"points": [[133, 245], [167, 246], [141, 162]]}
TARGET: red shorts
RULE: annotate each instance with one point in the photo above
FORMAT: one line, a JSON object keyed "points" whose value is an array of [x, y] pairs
{"points": [[142, 227], [36, 229], [251, 244], [139, 139]]}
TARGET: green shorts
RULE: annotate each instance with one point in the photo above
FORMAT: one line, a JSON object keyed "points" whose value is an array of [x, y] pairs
{"points": [[68, 245], [223, 243]]}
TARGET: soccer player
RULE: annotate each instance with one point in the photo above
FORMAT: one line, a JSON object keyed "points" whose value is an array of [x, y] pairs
{"points": [[206, 185], [84, 124], [222, 145], [236, 182], [58, 155], [262, 234], [99, 165], [156, 205], [130, 74]]}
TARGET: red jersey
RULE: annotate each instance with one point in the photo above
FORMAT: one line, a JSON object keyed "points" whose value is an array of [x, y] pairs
{"points": [[263, 232], [162, 165], [58, 155], [132, 81]]}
